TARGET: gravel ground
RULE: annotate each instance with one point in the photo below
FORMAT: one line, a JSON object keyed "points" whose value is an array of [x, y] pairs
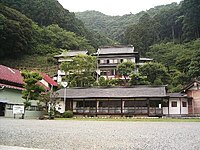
{"points": [[100, 135]]}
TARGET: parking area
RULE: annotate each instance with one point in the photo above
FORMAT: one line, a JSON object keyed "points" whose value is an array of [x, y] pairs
{"points": [[91, 135]]}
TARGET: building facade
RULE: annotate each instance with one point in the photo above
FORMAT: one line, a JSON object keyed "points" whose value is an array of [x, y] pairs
{"points": [[109, 57], [124, 101]]}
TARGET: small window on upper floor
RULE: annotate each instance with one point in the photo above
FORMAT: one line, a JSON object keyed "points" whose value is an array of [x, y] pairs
{"points": [[107, 61], [102, 61], [184, 104], [174, 104], [121, 60]]}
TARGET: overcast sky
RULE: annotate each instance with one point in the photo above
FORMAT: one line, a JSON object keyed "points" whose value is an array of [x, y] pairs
{"points": [[113, 7]]}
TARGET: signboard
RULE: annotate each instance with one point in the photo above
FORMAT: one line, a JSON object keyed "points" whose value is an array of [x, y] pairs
{"points": [[64, 84], [18, 109]]}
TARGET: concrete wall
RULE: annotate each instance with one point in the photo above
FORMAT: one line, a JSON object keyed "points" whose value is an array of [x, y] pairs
{"points": [[176, 110], [13, 96], [28, 114]]}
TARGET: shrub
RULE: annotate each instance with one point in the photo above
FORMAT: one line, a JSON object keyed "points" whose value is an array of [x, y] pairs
{"points": [[58, 114], [68, 114]]}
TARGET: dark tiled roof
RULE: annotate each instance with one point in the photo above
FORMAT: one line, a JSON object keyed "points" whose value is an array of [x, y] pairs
{"points": [[116, 50], [177, 95], [10, 75], [118, 92], [191, 84], [72, 53]]}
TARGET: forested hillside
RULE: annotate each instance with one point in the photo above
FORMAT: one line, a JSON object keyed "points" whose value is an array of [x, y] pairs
{"points": [[41, 29], [32, 32], [115, 26], [21, 40], [48, 12], [169, 34]]}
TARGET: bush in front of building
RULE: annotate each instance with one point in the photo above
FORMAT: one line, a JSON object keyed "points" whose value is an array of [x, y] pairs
{"points": [[58, 114], [68, 114]]}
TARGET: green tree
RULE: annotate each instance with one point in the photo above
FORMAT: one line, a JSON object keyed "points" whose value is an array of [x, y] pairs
{"points": [[80, 71], [47, 12], [103, 82], [194, 67], [32, 89], [125, 69], [16, 33], [191, 21], [138, 79], [156, 73]]}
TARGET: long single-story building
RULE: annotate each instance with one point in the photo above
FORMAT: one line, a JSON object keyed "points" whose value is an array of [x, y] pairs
{"points": [[123, 101]]}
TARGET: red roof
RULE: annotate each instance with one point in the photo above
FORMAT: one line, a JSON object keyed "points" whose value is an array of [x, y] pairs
{"points": [[12, 87], [41, 84], [48, 79], [10, 74], [14, 76]]}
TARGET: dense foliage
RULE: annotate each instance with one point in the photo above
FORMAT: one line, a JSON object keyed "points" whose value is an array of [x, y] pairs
{"points": [[32, 89], [21, 36], [115, 26], [125, 69], [16, 33], [80, 71], [179, 24], [169, 34], [47, 12]]}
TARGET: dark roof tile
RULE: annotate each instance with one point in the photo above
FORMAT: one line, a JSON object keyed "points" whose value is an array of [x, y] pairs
{"points": [[118, 92]]}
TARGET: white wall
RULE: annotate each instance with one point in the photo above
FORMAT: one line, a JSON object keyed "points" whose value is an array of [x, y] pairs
{"points": [[184, 110], [176, 110], [45, 83]]}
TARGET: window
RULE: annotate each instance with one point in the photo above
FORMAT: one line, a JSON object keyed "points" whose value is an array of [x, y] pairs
{"points": [[111, 61], [108, 61], [79, 104], [33, 108], [102, 61], [9, 106], [90, 103], [184, 104], [113, 72], [104, 73], [174, 104], [121, 60], [103, 103]]}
